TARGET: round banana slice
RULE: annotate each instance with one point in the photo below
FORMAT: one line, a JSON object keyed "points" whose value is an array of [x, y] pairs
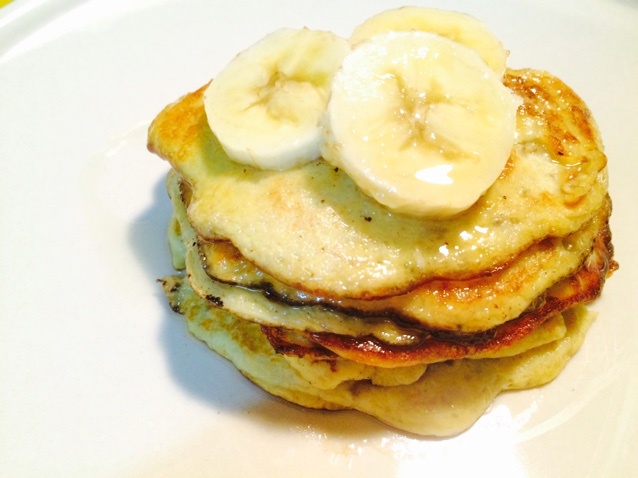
{"points": [[420, 123], [265, 106], [460, 27]]}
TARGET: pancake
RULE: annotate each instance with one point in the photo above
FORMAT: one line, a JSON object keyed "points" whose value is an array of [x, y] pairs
{"points": [[312, 229], [326, 298]]}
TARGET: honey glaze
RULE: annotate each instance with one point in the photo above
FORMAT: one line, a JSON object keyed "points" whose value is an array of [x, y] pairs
{"points": [[559, 121]]}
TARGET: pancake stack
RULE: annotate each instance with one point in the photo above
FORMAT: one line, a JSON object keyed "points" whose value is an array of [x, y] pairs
{"points": [[323, 296]]}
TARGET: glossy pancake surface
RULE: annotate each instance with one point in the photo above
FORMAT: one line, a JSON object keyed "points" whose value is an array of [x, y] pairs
{"points": [[312, 229]]}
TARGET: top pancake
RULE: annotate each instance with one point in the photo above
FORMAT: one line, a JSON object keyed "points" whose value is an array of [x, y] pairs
{"points": [[313, 229]]}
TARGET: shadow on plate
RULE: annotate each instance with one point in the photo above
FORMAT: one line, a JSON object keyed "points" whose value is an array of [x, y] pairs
{"points": [[627, 3], [191, 364], [209, 377]]}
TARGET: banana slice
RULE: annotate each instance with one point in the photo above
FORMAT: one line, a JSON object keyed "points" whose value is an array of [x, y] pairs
{"points": [[420, 123], [265, 106], [460, 27]]}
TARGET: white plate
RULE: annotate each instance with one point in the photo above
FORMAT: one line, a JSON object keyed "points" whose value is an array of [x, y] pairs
{"points": [[99, 378]]}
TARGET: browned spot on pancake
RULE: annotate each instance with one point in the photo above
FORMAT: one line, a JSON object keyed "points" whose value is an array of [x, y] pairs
{"points": [[509, 166], [288, 342], [179, 126]]}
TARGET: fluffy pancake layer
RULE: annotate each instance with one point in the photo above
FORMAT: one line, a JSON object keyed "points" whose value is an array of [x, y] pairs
{"points": [[442, 400], [469, 305], [312, 229]]}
